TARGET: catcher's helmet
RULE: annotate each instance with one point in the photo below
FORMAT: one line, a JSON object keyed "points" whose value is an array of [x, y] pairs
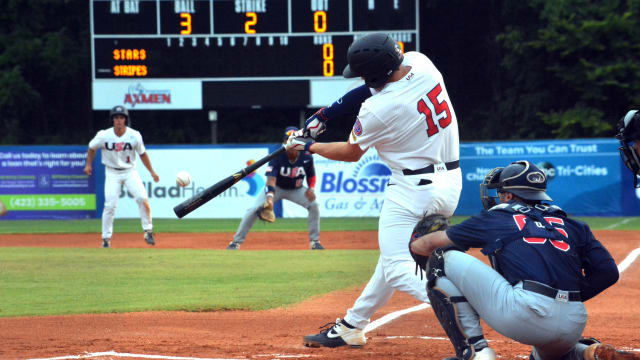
{"points": [[521, 178], [374, 57], [628, 133], [119, 110]]}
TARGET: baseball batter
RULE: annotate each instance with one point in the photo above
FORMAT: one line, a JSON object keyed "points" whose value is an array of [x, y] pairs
{"points": [[410, 121], [285, 175], [535, 291], [119, 145], [629, 136]]}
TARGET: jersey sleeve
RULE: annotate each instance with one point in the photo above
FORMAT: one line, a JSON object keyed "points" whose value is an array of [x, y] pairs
{"points": [[600, 270], [309, 168], [97, 140], [272, 168], [367, 129], [140, 149], [469, 234]]}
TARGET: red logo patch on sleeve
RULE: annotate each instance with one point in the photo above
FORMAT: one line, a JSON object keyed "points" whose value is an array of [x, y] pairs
{"points": [[357, 128]]}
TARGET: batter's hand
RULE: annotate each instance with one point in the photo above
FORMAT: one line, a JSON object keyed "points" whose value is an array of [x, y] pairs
{"points": [[315, 125], [88, 170], [310, 194], [298, 143]]}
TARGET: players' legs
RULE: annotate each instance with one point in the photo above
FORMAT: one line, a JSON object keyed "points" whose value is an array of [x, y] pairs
{"points": [[552, 327], [395, 269], [250, 216], [313, 221], [112, 188], [136, 189]]}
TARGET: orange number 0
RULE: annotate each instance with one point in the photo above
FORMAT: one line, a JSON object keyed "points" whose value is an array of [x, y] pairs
{"points": [[253, 19], [186, 24], [320, 21]]}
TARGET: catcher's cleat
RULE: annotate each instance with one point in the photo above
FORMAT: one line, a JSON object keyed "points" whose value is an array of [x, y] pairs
{"points": [[148, 238], [106, 243], [315, 245], [608, 352], [335, 335], [233, 246]]}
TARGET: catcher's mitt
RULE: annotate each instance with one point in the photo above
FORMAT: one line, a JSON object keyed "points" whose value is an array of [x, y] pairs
{"points": [[265, 212], [428, 224]]}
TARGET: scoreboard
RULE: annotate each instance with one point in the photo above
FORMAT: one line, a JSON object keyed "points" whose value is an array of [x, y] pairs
{"points": [[204, 54]]}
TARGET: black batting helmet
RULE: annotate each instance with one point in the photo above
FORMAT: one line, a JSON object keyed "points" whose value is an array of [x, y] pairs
{"points": [[120, 110], [628, 133], [374, 57], [524, 180]]}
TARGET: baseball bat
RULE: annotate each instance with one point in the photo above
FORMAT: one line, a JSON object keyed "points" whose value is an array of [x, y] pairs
{"points": [[212, 191]]}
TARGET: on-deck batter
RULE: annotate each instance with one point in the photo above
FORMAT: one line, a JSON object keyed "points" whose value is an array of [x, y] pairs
{"points": [[410, 121], [119, 145]]}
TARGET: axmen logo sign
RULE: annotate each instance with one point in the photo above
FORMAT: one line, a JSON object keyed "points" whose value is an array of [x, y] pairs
{"points": [[147, 94]]}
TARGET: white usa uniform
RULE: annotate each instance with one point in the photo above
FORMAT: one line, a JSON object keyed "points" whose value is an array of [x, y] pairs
{"points": [[412, 125], [119, 159]]}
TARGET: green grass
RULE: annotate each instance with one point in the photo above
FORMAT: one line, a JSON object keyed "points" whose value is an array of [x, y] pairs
{"points": [[46, 281], [230, 225]]}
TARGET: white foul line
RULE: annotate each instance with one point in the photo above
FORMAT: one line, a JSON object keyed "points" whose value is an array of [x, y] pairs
{"points": [[615, 225], [117, 354]]}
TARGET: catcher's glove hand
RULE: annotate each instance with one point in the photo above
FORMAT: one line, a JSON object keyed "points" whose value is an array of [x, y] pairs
{"points": [[428, 224], [265, 212]]}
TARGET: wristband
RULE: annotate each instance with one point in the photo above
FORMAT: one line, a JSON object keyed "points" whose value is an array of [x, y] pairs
{"points": [[307, 146], [270, 190]]}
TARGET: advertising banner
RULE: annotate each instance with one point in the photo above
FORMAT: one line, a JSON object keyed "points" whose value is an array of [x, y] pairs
{"points": [[138, 94], [45, 182], [346, 189], [583, 175], [207, 166]]}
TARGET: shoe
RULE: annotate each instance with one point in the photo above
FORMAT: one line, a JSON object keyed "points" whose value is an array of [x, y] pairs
{"points": [[485, 353], [106, 243], [148, 238], [336, 334], [608, 352], [315, 245], [233, 246]]}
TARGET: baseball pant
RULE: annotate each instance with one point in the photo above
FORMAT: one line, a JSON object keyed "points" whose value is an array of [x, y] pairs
{"points": [[114, 180], [551, 326], [396, 268], [294, 195]]}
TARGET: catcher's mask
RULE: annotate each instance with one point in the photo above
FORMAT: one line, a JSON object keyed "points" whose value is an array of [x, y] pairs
{"points": [[489, 188], [628, 134], [521, 178]]}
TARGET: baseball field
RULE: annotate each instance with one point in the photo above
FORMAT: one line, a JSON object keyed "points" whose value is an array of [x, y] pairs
{"points": [[63, 297]]}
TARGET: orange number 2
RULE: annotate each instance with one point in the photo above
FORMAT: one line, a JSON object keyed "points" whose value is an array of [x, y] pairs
{"points": [[253, 19]]}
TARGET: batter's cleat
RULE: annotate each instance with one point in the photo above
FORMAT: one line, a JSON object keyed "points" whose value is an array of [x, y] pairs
{"points": [[608, 352], [335, 335], [233, 246], [315, 245], [106, 243], [148, 238]]}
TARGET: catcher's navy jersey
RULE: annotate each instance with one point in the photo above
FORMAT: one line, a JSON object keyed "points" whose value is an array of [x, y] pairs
{"points": [[537, 243], [290, 175]]}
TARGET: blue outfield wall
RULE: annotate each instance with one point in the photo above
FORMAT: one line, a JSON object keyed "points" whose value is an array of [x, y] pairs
{"points": [[586, 178]]}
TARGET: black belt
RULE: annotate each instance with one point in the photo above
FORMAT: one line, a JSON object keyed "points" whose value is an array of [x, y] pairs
{"points": [[429, 169], [119, 169], [548, 291]]}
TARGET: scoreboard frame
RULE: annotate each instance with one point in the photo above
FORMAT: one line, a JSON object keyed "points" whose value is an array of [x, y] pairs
{"points": [[205, 54]]}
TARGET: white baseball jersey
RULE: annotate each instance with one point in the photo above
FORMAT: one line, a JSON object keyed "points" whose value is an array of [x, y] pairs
{"points": [[118, 152], [410, 122]]}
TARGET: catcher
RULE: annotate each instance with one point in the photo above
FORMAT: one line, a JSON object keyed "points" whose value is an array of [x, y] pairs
{"points": [[544, 265], [285, 174]]}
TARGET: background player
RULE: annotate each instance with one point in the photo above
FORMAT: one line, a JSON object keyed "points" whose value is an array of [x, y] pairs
{"points": [[629, 136], [410, 121], [534, 292], [119, 146], [285, 174]]}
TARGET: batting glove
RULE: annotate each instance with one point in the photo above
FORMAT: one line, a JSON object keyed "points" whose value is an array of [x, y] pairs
{"points": [[315, 124], [298, 143]]}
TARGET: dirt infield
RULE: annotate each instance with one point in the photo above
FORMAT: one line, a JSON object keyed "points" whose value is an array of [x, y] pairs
{"points": [[614, 316]]}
